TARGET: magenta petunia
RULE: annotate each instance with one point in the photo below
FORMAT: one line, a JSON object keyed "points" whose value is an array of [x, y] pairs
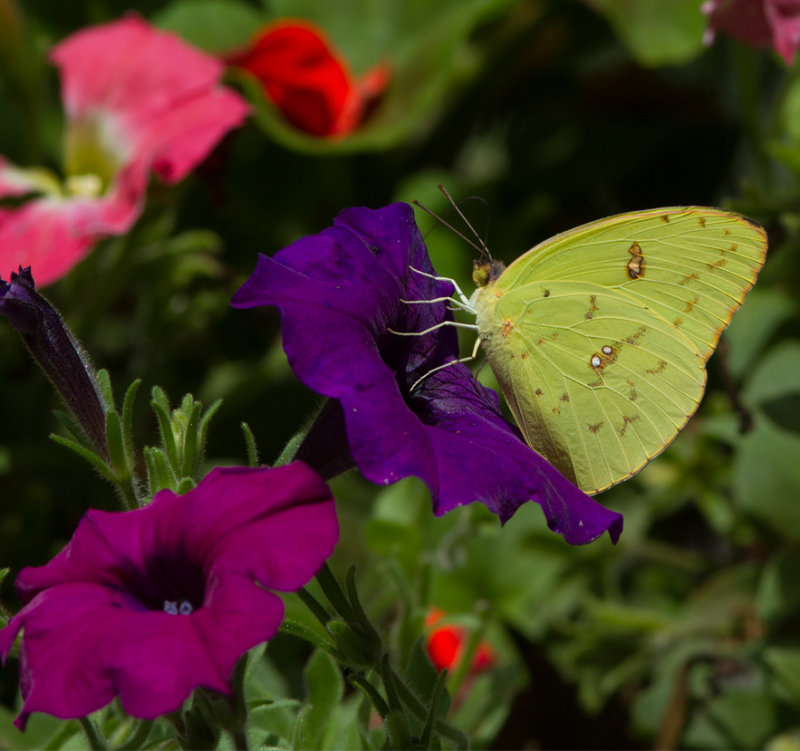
{"points": [[137, 101], [150, 604], [341, 296], [759, 23]]}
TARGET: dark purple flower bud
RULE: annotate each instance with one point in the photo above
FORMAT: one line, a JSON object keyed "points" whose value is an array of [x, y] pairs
{"points": [[150, 604], [343, 294], [58, 353]]}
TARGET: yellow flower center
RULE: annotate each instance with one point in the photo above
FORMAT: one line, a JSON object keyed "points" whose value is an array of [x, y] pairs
{"points": [[91, 159]]}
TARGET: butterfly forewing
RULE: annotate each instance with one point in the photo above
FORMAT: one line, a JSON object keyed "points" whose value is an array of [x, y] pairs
{"points": [[691, 265]]}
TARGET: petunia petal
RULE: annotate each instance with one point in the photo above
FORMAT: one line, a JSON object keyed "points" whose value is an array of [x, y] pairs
{"points": [[96, 622], [133, 79], [41, 234], [65, 649], [343, 298]]}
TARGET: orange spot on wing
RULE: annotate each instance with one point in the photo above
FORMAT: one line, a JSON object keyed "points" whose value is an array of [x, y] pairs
{"points": [[627, 420], [658, 369], [634, 338], [589, 314], [691, 303]]}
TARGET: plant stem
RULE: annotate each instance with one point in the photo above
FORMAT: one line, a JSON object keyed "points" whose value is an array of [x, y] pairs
{"points": [[96, 740]]}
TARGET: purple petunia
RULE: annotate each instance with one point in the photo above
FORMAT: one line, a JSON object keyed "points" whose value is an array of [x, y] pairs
{"points": [[153, 603], [341, 296]]}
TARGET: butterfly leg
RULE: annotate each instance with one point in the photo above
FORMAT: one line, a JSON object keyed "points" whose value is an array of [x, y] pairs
{"points": [[461, 296], [470, 326], [458, 303], [436, 369]]}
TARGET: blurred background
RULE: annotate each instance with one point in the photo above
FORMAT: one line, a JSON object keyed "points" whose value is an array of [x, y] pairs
{"points": [[685, 634]]}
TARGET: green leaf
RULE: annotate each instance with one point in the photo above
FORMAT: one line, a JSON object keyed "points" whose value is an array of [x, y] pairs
{"points": [[784, 662], [786, 147], [159, 471], [97, 462], [191, 449], [776, 373], [106, 391], [296, 628], [775, 385], [216, 26], [752, 326], [202, 432], [127, 420], [75, 430], [116, 444], [398, 730], [41, 732], [766, 477], [250, 444], [656, 32], [743, 716], [421, 674], [778, 596], [388, 538], [160, 405], [324, 692]]}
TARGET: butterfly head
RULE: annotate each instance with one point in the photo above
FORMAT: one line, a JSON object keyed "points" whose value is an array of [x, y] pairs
{"points": [[486, 272]]}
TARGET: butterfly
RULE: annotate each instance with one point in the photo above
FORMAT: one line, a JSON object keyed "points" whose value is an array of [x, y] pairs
{"points": [[599, 336]]}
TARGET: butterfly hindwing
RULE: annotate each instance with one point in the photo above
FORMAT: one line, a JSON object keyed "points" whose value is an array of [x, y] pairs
{"points": [[598, 382]]}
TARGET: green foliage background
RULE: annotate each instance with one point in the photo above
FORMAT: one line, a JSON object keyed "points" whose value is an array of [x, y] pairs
{"points": [[555, 113]]}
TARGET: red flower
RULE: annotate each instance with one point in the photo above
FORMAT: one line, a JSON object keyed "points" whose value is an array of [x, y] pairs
{"points": [[445, 645], [760, 23], [304, 76]]}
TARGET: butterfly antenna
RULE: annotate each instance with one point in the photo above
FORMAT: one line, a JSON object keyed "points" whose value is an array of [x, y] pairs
{"points": [[481, 247]]}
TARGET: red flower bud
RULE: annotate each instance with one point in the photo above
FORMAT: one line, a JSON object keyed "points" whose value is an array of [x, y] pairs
{"points": [[306, 78]]}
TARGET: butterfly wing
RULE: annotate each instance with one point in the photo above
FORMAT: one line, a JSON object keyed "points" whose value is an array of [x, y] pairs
{"points": [[691, 265], [599, 336]]}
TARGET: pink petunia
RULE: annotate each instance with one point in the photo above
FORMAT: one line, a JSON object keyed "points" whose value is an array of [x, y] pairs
{"points": [[137, 101], [759, 23]]}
